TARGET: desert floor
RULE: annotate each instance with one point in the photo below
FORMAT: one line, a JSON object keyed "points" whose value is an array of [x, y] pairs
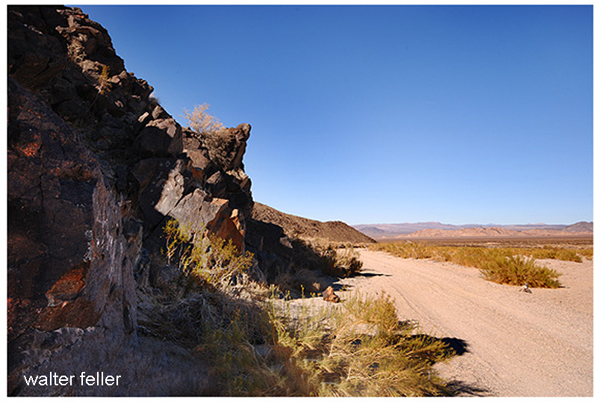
{"points": [[511, 343]]}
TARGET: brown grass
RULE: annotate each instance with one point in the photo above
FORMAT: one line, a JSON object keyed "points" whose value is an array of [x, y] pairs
{"points": [[514, 266]]}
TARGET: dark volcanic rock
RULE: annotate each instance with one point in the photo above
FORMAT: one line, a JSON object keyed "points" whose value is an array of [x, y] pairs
{"points": [[69, 262], [51, 179], [95, 168]]}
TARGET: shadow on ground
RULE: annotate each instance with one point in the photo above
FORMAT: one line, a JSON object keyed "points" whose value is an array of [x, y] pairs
{"points": [[458, 388]]}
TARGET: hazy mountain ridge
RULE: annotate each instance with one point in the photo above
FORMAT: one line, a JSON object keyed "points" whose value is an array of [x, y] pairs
{"points": [[437, 229]]}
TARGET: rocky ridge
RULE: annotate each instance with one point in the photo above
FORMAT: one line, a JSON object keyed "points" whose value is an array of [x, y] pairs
{"points": [[299, 227], [95, 169]]}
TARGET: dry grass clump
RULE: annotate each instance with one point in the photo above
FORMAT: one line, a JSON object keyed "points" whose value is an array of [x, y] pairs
{"points": [[513, 266], [518, 270], [340, 261], [358, 349]]}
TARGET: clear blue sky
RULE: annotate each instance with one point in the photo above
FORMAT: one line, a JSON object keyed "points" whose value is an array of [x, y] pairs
{"points": [[458, 114]]}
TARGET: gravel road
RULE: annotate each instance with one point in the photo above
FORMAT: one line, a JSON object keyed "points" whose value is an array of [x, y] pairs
{"points": [[514, 343]]}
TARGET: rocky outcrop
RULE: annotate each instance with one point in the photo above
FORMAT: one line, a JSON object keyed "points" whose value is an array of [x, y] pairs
{"points": [[95, 168]]}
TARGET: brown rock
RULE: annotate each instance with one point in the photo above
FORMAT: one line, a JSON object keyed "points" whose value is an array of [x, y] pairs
{"points": [[229, 228], [69, 286], [329, 295]]}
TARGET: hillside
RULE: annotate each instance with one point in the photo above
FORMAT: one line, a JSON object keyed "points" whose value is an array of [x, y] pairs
{"points": [[299, 227]]}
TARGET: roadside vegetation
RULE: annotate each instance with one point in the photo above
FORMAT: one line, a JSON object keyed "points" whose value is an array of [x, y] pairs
{"points": [[258, 344], [313, 263], [337, 260], [512, 266]]}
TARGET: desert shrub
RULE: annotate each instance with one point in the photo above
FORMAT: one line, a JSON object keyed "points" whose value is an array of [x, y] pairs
{"points": [[314, 257], [341, 263], [556, 253], [201, 122], [212, 259], [211, 288], [408, 249], [301, 281], [501, 265], [586, 252], [212, 134], [103, 80], [518, 270]]}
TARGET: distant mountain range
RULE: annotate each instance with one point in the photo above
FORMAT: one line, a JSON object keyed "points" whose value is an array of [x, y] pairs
{"points": [[436, 229]]}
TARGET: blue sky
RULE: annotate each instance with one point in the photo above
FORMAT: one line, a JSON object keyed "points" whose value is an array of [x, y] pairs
{"points": [[386, 114]]}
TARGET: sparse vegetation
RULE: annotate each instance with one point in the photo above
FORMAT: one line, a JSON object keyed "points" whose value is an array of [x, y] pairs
{"points": [[313, 262], [357, 349], [260, 346], [201, 122], [518, 270], [212, 134], [103, 83], [513, 266], [342, 263]]}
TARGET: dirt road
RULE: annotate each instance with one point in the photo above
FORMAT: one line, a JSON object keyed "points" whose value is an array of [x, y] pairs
{"points": [[515, 343]]}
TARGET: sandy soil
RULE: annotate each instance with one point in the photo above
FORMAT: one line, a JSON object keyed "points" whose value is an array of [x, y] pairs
{"points": [[511, 343]]}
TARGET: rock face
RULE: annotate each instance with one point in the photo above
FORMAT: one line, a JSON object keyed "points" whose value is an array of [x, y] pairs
{"points": [[95, 168]]}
